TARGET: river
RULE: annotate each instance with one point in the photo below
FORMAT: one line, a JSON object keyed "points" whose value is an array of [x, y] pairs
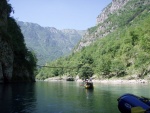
{"points": [[65, 97]]}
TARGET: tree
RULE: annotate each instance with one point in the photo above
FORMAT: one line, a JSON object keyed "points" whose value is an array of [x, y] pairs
{"points": [[86, 72], [118, 67]]}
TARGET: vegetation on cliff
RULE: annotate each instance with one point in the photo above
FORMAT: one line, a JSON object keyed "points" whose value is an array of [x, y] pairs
{"points": [[17, 63], [123, 53], [49, 43], [24, 60]]}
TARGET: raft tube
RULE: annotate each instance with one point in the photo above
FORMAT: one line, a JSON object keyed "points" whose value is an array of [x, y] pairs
{"points": [[127, 101]]}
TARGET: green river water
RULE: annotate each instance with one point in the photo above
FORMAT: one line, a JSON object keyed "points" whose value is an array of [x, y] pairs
{"points": [[65, 97]]}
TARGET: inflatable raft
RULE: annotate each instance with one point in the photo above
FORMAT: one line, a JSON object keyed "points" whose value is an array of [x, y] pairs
{"points": [[129, 103], [89, 85]]}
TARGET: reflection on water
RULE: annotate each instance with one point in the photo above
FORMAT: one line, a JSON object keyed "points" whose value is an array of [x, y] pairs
{"points": [[16, 98], [89, 93], [65, 97]]}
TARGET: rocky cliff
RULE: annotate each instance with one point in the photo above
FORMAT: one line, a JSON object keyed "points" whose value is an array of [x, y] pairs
{"points": [[6, 52], [110, 9], [16, 64], [111, 18]]}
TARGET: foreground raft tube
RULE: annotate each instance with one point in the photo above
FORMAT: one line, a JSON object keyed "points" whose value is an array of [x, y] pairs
{"points": [[129, 103]]}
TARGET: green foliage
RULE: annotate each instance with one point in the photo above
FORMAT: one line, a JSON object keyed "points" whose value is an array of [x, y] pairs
{"points": [[92, 29], [23, 58], [118, 67], [24, 61], [85, 72], [125, 51], [17, 37], [49, 43]]}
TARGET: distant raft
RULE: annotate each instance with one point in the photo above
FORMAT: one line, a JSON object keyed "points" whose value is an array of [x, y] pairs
{"points": [[129, 103], [70, 79]]}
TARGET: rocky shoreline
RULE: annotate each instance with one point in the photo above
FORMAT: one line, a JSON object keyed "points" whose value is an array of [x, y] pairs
{"points": [[106, 81], [143, 81]]}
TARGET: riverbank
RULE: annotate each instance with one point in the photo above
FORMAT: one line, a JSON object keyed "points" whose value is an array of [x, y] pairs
{"points": [[106, 81], [119, 81]]}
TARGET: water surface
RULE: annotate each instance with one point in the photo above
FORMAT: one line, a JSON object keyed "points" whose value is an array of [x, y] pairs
{"points": [[65, 97]]}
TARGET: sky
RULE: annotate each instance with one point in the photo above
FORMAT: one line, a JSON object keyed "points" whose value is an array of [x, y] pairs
{"points": [[61, 14]]}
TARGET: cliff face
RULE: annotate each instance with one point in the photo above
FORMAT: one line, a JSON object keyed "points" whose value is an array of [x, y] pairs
{"points": [[118, 5], [16, 62], [111, 18], [110, 9], [6, 52], [6, 60]]}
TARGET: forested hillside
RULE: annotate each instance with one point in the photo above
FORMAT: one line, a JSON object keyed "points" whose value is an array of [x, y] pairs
{"points": [[123, 52], [49, 43]]}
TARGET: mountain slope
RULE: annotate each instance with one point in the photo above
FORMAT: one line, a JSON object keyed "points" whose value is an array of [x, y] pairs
{"points": [[116, 14], [49, 43], [118, 47]]}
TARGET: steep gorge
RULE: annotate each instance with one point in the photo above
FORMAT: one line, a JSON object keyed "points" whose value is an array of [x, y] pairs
{"points": [[17, 64], [117, 47]]}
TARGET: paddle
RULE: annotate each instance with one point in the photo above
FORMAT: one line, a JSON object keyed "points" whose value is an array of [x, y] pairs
{"points": [[137, 110]]}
